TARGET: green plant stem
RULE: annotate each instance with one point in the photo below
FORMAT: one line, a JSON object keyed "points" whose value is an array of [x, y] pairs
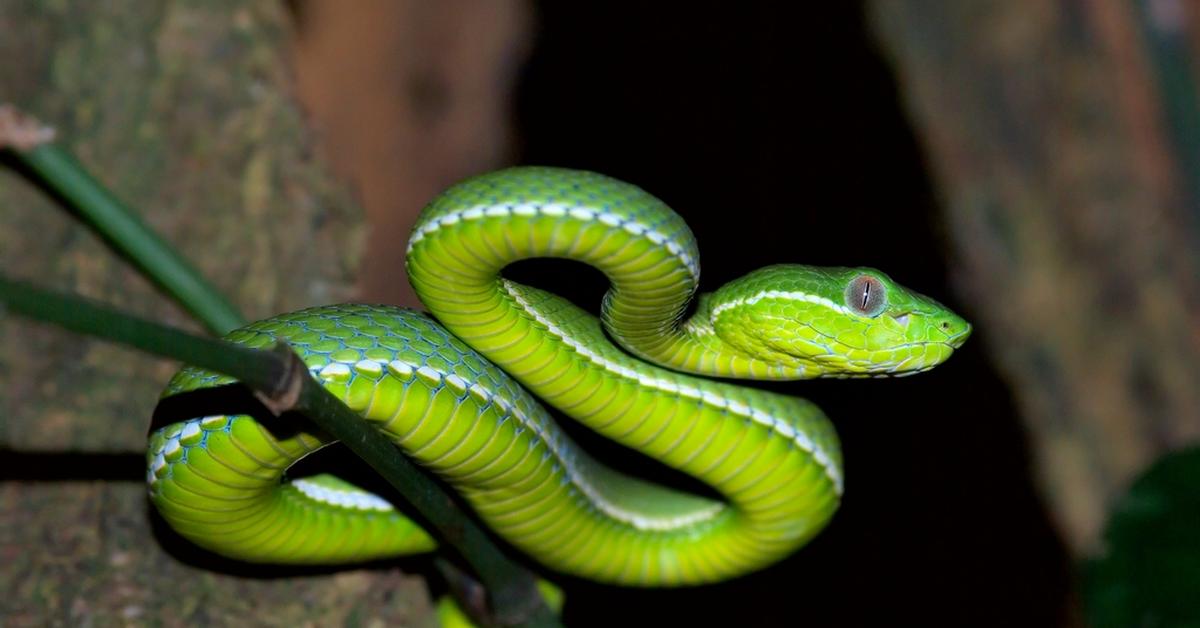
{"points": [[54, 169], [280, 378]]}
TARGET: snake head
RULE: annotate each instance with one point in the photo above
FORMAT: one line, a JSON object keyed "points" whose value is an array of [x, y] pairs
{"points": [[835, 322]]}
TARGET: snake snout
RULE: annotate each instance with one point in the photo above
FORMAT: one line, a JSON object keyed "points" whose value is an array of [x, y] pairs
{"points": [[955, 329]]}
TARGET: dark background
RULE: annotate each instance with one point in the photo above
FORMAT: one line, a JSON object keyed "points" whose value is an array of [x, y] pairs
{"points": [[780, 144]]}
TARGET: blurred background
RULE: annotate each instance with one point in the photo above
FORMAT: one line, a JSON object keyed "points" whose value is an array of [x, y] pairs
{"points": [[1033, 164]]}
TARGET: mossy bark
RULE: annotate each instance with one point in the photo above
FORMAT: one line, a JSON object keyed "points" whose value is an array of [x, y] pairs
{"points": [[185, 110]]}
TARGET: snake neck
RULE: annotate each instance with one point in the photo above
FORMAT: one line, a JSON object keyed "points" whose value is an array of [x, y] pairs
{"points": [[693, 345]]}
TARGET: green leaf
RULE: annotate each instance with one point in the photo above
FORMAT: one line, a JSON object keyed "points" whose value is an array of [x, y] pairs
{"points": [[1149, 572]]}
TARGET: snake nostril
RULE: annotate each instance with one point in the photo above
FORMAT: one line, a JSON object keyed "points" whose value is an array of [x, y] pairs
{"points": [[956, 331]]}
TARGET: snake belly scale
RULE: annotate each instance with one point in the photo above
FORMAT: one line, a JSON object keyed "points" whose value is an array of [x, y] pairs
{"points": [[453, 391]]}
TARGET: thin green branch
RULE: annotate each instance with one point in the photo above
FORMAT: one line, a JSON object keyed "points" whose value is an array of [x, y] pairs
{"points": [[257, 369], [54, 169], [281, 380]]}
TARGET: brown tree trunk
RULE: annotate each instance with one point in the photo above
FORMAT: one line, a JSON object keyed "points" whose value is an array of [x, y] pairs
{"points": [[408, 97], [1068, 199]]}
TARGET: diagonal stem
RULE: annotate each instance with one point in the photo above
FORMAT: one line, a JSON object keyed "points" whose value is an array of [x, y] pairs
{"points": [[53, 169]]}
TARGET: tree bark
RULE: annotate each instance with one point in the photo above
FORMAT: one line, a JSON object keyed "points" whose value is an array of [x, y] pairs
{"points": [[409, 97]]}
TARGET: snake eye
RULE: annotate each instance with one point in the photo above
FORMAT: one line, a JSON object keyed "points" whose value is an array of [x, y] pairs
{"points": [[866, 295]]}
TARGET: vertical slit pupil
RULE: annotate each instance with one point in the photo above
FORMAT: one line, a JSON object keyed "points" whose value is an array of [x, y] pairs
{"points": [[865, 295]]}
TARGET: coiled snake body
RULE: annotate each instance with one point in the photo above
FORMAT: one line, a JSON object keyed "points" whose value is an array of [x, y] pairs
{"points": [[453, 395]]}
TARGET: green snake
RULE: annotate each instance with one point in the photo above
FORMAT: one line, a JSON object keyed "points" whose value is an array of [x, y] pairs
{"points": [[455, 392]]}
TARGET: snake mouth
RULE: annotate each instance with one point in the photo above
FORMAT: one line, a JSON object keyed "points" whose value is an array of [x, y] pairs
{"points": [[958, 338]]}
